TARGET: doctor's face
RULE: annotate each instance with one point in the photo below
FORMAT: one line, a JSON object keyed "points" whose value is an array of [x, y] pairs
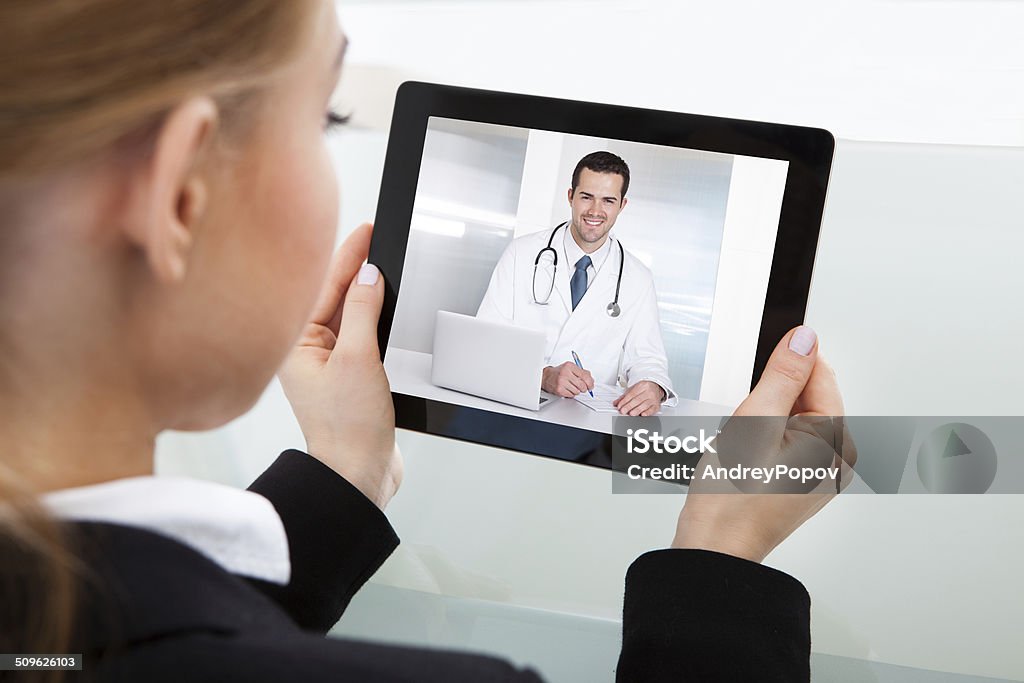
{"points": [[596, 203]]}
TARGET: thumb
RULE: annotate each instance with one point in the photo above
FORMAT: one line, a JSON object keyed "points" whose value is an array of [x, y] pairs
{"points": [[821, 395], [785, 375], [357, 336]]}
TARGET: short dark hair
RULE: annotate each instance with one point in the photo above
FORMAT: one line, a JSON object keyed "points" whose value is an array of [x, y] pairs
{"points": [[602, 162]]}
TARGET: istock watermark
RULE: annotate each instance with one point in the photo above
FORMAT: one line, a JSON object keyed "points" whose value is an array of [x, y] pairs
{"points": [[805, 454], [650, 441]]}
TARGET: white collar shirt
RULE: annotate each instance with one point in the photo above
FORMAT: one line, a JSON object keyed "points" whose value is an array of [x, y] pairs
{"points": [[573, 254], [237, 529]]}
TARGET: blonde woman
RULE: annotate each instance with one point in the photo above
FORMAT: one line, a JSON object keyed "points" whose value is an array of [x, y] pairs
{"points": [[167, 210]]}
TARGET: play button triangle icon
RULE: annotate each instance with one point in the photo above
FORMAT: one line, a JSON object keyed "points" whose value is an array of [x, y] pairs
{"points": [[955, 446]]}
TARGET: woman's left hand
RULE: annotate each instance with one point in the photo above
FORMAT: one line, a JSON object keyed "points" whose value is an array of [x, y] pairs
{"points": [[335, 382]]}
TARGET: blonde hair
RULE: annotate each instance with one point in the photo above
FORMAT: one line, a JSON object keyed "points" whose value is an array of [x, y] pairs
{"points": [[79, 78], [36, 578]]}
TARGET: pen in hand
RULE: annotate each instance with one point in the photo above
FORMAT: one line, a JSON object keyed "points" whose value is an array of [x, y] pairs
{"points": [[576, 359]]}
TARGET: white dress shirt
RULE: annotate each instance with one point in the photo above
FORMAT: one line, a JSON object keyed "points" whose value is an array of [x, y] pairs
{"points": [[239, 530], [573, 253]]}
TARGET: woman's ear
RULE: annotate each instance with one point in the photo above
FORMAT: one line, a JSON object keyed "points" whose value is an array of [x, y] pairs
{"points": [[167, 195]]}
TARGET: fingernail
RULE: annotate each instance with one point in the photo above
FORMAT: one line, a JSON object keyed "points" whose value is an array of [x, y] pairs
{"points": [[368, 275], [803, 340]]}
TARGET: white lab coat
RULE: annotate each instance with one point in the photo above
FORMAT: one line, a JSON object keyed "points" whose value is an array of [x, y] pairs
{"points": [[627, 348]]}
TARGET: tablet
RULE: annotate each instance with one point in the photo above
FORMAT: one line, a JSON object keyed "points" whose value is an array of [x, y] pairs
{"points": [[658, 255]]}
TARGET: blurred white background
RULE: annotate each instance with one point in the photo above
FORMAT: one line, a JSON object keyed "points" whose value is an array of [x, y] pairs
{"points": [[915, 297], [938, 71]]}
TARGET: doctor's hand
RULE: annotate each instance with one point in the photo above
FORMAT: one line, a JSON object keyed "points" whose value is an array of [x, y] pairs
{"points": [[335, 382], [566, 380], [642, 399], [750, 519]]}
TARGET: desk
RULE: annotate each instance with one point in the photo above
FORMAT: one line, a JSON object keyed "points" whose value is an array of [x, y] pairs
{"points": [[409, 373]]}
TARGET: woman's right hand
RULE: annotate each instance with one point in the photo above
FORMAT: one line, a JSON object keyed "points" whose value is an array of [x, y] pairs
{"points": [[335, 382], [796, 381]]}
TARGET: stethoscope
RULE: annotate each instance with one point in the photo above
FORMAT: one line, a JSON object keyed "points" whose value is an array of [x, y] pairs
{"points": [[613, 309]]}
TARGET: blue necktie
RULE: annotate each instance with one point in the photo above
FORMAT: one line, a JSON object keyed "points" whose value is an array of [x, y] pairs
{"points": [[578, 283]]}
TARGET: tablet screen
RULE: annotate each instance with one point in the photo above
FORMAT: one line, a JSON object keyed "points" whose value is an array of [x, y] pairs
{"points": [[698, 227], [545, 275]]}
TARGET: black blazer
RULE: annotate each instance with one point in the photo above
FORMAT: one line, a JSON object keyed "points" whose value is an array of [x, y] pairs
{"points": [[153, 609]]}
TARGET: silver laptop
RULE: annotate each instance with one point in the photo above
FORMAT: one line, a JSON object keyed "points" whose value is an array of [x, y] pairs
{"points": [[488, 359]]}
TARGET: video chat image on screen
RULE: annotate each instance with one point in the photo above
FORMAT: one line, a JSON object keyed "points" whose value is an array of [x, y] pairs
{"points": [[535, 252]]}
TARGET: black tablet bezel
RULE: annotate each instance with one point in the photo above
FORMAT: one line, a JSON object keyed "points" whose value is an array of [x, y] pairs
{"points": [[809, 152]]}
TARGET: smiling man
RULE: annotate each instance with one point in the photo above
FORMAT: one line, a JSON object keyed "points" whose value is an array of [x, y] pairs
{"points": [[590, 296]]}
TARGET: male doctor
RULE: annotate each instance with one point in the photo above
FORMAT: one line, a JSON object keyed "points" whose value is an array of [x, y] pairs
{"points": [[564, 283]]}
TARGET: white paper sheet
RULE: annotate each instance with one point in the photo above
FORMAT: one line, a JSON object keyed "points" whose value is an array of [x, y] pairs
{"points": [[604, 394]]}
